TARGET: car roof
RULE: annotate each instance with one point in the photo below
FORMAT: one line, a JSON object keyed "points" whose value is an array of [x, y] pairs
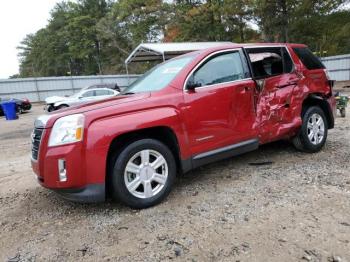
{"points": [[99, 86], [249, 45], [97, 89]]}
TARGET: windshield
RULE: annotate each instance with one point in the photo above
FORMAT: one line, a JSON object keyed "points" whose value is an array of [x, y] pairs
{"points": [[76, 95], [158, 77]]}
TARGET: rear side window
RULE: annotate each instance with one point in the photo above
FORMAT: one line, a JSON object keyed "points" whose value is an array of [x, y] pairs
{"points": [[103, 92], [287, 61], [309, 60]]}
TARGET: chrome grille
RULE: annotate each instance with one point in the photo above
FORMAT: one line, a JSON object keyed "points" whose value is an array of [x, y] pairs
{"points": [[36, 138]]}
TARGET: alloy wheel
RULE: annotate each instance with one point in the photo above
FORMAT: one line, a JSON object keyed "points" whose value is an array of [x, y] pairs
{"points": [[315, 129], [146, 174]]}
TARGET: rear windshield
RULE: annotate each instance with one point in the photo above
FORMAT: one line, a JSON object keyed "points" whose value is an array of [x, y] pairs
{"points": [[308, 58]]}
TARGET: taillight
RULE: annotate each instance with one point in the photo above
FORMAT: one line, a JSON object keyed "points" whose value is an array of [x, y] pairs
{"points": [[327, 74], [329, 80]]}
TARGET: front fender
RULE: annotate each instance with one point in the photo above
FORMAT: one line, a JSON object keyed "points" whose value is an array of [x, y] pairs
{"points": [[101, 133]]}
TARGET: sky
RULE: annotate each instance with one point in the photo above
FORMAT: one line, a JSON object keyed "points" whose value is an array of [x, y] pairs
{"points": [[17, 19]]}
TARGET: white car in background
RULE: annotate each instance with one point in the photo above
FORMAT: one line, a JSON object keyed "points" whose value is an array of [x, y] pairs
{"points": [[83, 96]]}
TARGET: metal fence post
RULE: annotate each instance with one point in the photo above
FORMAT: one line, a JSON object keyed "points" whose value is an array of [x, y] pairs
{"points": [[72, 83], [37, 89]]}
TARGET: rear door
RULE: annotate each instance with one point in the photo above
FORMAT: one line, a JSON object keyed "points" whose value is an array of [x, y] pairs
{"points": [[220, 110], [274, 71]]}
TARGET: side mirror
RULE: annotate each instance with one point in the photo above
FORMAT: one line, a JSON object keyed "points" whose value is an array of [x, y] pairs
{"points": [[192, 84]]}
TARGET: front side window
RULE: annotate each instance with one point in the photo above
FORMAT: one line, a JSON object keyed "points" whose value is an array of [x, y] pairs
{"points": [[88, 94], [160, 76], [219, 69]]}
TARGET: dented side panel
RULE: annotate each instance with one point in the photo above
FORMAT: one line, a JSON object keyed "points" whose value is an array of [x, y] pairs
{"points": [[280, 103]]}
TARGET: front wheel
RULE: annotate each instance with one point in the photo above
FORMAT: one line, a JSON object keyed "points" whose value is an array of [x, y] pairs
{"points": [[143, 173], [313, 133], [50, 108]]}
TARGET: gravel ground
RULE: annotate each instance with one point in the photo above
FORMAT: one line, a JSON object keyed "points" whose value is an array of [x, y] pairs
{"points": [[296, 208]]}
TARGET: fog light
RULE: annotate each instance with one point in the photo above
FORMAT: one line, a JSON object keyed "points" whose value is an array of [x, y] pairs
{"points": [[62, 172]]}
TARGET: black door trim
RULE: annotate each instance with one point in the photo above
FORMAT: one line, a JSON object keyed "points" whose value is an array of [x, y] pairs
{"points": [[224, 152]]}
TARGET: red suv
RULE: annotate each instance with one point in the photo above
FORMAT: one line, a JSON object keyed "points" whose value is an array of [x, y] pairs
{"points": [[187, 112]]}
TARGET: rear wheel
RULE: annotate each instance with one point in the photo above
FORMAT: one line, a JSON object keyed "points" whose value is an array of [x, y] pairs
{"points": [[19, 110], [313, 133], [143, 173]]}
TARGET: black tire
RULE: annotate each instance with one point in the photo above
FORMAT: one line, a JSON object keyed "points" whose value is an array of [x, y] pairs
{"points": [[343, 112], [301, 141], [50, 108], [119, 162], [19, 110]]}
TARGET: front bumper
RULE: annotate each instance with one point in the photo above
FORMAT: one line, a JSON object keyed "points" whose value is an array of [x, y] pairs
{"points": [[80, 185], [89, 194]]}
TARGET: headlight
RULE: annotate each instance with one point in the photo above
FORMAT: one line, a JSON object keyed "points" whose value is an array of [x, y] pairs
{"points": [[68, 129]]}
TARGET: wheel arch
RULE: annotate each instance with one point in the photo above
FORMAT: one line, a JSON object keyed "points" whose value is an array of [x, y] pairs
{"points": [[317, 99], [56, 105], [164, 134]]}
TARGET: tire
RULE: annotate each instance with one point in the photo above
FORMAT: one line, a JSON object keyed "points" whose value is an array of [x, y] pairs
{"points": [[19, 110], [343, 112], [143, 174], [50, 108], [314, 122]]}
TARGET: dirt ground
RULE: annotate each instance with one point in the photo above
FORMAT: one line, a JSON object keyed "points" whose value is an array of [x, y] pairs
{"points": [[296, 208]]}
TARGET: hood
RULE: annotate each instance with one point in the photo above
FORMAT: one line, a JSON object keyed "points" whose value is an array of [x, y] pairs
{"points": [[89, 107], [55, 99]]}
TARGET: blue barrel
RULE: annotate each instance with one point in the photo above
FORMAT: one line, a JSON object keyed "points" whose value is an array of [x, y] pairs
{"points": [[9, 109]]}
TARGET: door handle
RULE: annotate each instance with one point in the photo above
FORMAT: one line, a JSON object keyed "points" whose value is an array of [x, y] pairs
{"points": [[244, 89], [289, 83]]}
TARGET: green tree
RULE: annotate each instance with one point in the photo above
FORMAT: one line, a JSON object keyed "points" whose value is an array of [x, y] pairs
{"points": [[237, 14], [69, 44], [96, 36], [127, 25]]}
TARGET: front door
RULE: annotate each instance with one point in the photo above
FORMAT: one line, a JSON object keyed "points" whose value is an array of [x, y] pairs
{"points": [[220, 110]]}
